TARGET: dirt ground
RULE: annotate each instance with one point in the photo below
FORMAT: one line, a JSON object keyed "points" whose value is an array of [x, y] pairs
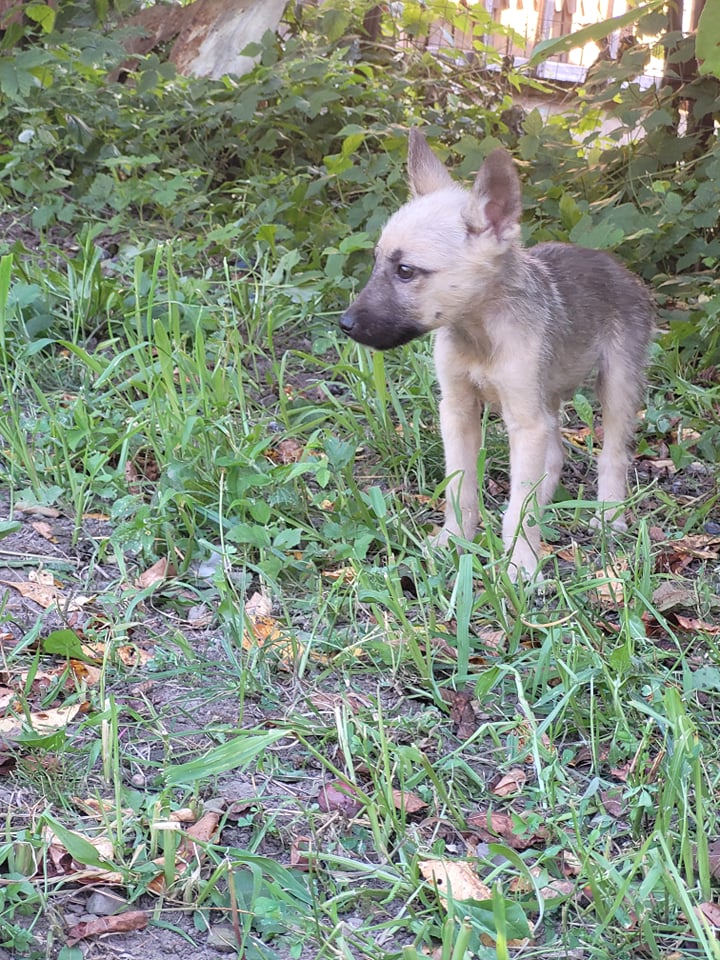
{"points": [[162, 713]]}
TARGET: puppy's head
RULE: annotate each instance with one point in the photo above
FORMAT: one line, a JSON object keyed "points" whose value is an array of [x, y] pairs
{"points": [[439, 252]]}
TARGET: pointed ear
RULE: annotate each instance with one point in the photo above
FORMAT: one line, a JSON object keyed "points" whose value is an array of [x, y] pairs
{"points": [[496, 197], [426, 173]]}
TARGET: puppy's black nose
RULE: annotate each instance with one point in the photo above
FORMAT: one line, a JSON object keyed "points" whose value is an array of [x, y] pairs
{"points": [[347, 322]]}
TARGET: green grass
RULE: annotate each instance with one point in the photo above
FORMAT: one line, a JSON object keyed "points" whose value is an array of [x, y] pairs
{"points": [[607, 707]]}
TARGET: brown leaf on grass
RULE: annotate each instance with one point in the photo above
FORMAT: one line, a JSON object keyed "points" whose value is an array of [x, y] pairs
{"points": [[610, 590], [64, 865], [551, 891], [710, 912], [492, 825], [42, 588], [344, 574], [37, 510], [99, 809], [512, 783], [702, 546], [675, 555], [42, 722], [286, 451], [671, 594], [300, 850], [494, 640], [614, 802], [45, 530], [457, 878], [203, 830], [714, 858], [341, 797], [188, 850], [44, 594], [120, 923], [86, 672], [527, 737], [462, 712], [585, 756], [161, 570], [133, 656], [407, 801], [697, 626], [7, 763], [7, 696]]}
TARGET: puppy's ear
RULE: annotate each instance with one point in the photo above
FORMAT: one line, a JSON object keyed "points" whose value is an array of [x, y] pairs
{"points": [[496, 197], [426, 173]]}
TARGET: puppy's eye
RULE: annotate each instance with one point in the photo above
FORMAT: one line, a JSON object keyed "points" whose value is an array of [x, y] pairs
{"points": [[404, 272]]}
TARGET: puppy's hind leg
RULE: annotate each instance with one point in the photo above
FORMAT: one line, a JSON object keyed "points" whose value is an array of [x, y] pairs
{"points": [[619, 388]]}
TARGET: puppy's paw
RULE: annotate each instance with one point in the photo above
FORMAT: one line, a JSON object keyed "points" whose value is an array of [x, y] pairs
{"points": [[441, 539], [613, 518], [524, 564]]}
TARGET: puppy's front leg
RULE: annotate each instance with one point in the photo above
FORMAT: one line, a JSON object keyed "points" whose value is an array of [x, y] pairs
{"points": [[529, 442], [461, 429]]}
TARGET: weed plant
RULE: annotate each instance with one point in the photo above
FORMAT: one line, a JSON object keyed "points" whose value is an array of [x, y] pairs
{"points": [[169, 359]]}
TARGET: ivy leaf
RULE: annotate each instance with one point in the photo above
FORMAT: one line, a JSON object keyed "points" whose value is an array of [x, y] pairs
{"points": [[42, 14], [707, 41]]}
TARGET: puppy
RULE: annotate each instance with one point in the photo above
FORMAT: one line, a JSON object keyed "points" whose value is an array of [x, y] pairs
{"points": [[519, 329]]}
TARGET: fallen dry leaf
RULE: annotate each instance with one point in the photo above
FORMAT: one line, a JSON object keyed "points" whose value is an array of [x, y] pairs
{"points": [[64, 864], [133, 656], [157, 573], [696, 626], [36, 510], [409, 802], [42, 722], [552, 890], [286, 451], [611, 590], [6, 698], [120, 923], [44, 529], [493, 824], [341, 797], [462, 712], [701, 546], [41, 593], [512, 783], [300, 851], [456, 878], [86, 672], [43, 589], [344, 574], [204, 830], [614, 802], [710, 912], [671, 594]]}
